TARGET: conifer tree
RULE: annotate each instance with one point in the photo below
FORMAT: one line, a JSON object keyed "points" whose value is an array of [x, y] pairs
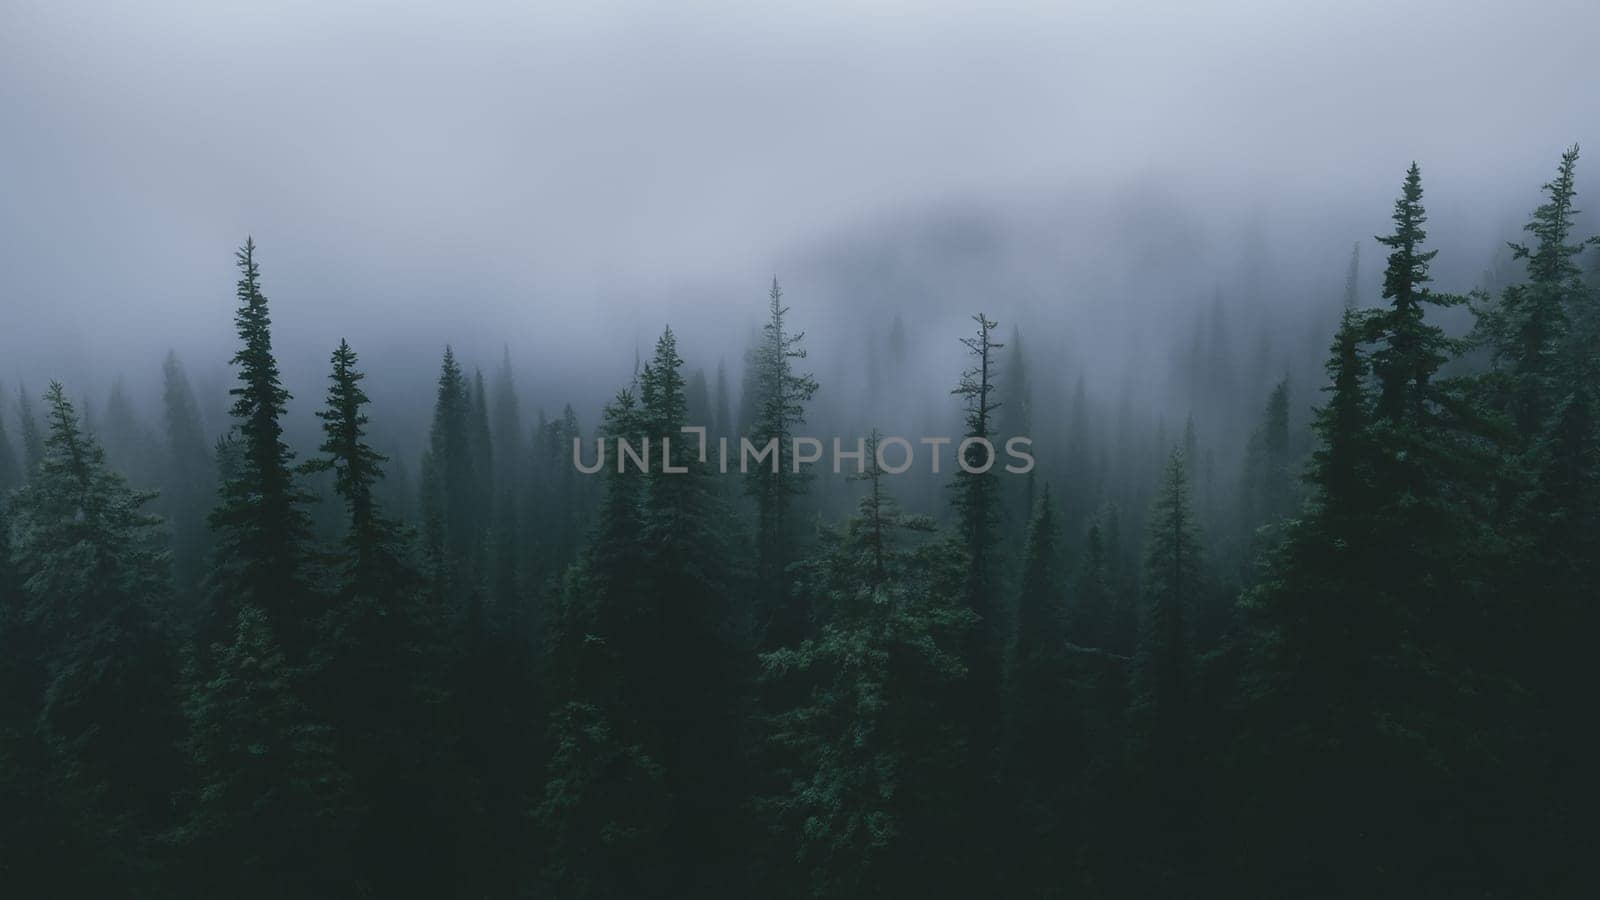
{"points": [[380, 656], [509, 452], [92, 594], [10, 469], [130, 448], [977, 494], [1090, 610], [722, 405], [780, 397], [1171, 583], [260, 526], [450, 532], [1410, 350], [374, 556], [31, 437], [266, 776], [1352, 278], [868, 752], [1039, 731], [1527, 330], [189, 478]]}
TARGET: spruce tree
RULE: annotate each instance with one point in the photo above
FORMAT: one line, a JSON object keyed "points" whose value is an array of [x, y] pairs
{"points": [[188, 480], [867, 753], [260, 525], [1039, 727], [1352, 278], [32, 437], [266, 776], [1527, 330], [92, 594], [781, 396], [509, 452], [380, 656], [1410, 350], [1172, 587], [10, 469], [451, 535], [977, 493]]}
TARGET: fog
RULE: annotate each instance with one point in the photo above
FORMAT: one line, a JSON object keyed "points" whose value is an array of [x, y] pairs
{"points": [[562, 182]]}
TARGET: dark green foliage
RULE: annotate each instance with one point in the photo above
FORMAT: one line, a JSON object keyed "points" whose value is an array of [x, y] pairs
{"points": [[266, 776], [781, 396], [868, 754], [260, 526], [1172, 587], [188, 481], [89, 723], [580, 686], [379, 662], [10, 468], [451, 530], [646, 677]]}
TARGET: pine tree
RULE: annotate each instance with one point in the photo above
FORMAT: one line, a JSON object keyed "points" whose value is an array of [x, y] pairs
{"points": [[1268, 485], [781, 396], [1352, 279], [1039, 728], [32, 438], [451, 534], [722, 408], [189, 478], [130, 448], [1172, 587], [92, 591], [646, 676], [10, 470], [260, 526], [1162, 713], [1410, 350], [509, 452], [1526, 330], [867, 752], [374, 557], [380, 655], [977, 493], [1089, 615], [266, 776]]}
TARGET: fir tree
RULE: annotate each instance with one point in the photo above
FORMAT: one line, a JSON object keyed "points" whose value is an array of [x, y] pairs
{"points": [[1172, 574], [189, 478], [266, 775], [450, 527], [1039, 730], [260, 526], [1352, 278], [10, 470], [92, 591], [32, 437], [781, 396], [977, 493], [380, 656], [867, 752], [1410, 350]]}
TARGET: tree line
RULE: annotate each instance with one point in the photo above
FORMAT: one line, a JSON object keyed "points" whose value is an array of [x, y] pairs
{"points": [[1351, 668]]}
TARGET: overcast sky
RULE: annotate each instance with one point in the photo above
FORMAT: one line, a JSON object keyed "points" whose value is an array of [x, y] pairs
{"points": [[547, 176]]}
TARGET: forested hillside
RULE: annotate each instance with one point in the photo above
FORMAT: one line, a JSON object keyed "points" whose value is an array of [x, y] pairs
{"points": [[1321, 636]]}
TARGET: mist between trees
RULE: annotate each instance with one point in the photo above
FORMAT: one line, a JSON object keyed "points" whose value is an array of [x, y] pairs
{"points": [[1319, 635]]}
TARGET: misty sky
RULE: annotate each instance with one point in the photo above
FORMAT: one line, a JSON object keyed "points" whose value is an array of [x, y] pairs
{"points": [[564, 180]]}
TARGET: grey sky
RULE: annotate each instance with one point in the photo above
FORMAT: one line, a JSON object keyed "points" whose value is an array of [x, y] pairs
{"points": [[564, 178]]}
